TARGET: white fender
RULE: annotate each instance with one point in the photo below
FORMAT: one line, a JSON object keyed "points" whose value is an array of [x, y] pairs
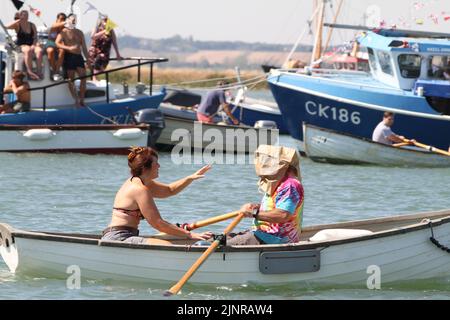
{"points": [[128, 134], [39, 134]]}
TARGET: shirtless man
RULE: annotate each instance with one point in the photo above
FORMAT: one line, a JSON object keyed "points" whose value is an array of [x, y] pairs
{"points": [[22, 90], [71, 40]]}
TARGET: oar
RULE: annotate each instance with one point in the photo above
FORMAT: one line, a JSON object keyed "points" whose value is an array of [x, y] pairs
{"points": [[208, 222], [399, 145], [177, 287], [429, 148]]}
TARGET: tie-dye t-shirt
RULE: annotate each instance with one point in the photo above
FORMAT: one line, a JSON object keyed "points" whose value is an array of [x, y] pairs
{"points": [[289, 197]]}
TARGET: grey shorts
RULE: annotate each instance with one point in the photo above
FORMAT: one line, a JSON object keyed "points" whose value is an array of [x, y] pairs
{"points": [[246, 238], [124, 236]]}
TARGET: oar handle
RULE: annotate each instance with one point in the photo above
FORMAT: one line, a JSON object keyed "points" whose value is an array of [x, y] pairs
{"points": [[177, 287]]}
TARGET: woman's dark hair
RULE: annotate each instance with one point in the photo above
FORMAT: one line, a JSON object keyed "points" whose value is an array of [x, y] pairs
{"points": [[140, 158], [61, 15]]}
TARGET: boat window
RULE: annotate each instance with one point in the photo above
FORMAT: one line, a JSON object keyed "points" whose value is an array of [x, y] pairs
{"points": [[385, 62], [372, 60], [410, 65], [439, 67]]}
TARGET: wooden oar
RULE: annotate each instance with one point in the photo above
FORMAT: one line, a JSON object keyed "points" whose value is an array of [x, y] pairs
{"points": [[399, 145], [429, 148], [208, 222], [177, 287]]}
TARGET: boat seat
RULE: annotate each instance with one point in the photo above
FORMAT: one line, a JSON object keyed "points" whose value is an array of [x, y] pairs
{"points": [[338, 234]]}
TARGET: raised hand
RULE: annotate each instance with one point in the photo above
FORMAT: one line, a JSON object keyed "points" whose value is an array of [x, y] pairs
{"points": [[200, 174]]}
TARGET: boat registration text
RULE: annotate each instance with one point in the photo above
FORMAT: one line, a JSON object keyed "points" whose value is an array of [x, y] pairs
{"points": [[336, 114]]}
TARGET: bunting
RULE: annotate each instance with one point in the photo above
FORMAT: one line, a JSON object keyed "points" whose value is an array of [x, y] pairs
{"points": [[35, 11], [90, 7]]}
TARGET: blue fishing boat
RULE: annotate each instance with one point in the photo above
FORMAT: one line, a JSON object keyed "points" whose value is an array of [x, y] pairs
{"points": [[409, 76], [53, 104]]}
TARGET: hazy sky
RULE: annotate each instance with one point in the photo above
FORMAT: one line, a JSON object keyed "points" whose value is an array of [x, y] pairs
{"points": [[271, 21]]}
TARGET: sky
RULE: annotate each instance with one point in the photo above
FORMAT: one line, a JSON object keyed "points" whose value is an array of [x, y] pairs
{"points": [[268, 21]]}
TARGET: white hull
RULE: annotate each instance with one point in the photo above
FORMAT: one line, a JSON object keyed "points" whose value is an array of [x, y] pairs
{"points": [[80, 138], [399, 246], [329, 146], [230, 139]]}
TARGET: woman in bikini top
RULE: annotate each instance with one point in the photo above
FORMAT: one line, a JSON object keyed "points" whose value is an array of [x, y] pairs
{"points": [[135, 200]]}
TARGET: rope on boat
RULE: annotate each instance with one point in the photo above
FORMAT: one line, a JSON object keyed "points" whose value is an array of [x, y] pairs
{"points": [[102, 116], [436, 242]]}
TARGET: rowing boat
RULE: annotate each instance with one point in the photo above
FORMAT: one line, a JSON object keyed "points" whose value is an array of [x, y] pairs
{"points": [[324, 145], [336, 254]]}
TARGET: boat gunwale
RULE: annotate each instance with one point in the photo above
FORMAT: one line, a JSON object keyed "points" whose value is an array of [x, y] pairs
{"points": [[440, 218], [72, 127], [384, 146]]}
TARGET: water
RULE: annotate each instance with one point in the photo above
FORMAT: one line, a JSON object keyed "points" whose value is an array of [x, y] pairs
{"points": [[74, 193]]}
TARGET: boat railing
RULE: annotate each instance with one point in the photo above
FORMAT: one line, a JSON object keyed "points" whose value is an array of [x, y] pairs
{"points": [[140, 63]]}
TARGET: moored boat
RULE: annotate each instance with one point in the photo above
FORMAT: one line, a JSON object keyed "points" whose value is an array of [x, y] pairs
{"points": [[87, 139], [324, 145], [402, 248], [407, 77]]}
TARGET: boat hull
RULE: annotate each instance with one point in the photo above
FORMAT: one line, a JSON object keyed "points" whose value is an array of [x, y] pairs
{"points": [[118, 111], [87, 139], [324, 145], [229, 139], [403, 253], [356, 110]]}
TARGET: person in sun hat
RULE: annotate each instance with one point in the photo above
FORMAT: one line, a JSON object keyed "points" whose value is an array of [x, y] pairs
{"points": [[278, 218]]}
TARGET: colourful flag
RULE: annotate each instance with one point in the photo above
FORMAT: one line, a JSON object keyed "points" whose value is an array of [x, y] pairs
{"points": [[18, 4], [110, 25], [419, 21], [419, 5], [434, 18]]}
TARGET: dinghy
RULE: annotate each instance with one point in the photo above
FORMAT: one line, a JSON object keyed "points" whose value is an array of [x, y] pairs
{"points": [[400, 248], [325, 145]]}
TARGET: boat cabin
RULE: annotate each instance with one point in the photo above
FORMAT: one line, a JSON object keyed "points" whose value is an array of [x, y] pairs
{"points": [[411, 62]]}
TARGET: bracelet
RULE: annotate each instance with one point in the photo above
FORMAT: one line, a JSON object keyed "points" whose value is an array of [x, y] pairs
{"points": [[256, 213]]}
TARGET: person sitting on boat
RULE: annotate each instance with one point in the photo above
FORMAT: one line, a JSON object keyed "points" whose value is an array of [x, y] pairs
{"points": [[278, 219], [100, 50], [27, 41], [21, 89], [135, 200], [383, 132], [55, 55], [71, 40], [214, 102]]}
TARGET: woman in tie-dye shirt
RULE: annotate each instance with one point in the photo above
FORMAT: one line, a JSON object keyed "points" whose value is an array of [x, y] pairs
{"points": [[278, 219]]}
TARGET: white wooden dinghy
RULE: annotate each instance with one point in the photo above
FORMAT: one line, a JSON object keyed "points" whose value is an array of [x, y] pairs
{"points": [[324, 145], [89, 139], [185, 133], [336, 254]]}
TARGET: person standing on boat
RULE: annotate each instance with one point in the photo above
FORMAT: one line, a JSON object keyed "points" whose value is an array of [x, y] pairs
{"points": [[212, 105], [278, 219], [100, 50], [135, 201], [27, 41], [21, 89], [55, 55], [383, 132], [71, 40]]}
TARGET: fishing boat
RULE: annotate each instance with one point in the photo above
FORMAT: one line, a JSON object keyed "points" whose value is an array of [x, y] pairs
{"points": [[87, 139], [325, 145], [182, 103], [407, 78], [400, 248], [52, 103]]}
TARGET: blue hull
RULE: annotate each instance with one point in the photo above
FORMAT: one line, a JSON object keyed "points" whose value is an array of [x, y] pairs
{"points": [[99, 113], [344, 109]]}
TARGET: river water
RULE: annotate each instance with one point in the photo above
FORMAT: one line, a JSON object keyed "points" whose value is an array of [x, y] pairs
{"points": [[74, 193]]}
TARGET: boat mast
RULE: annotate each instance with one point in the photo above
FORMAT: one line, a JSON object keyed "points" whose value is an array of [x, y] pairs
{"points": [[317, 51], [327, 43]]}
